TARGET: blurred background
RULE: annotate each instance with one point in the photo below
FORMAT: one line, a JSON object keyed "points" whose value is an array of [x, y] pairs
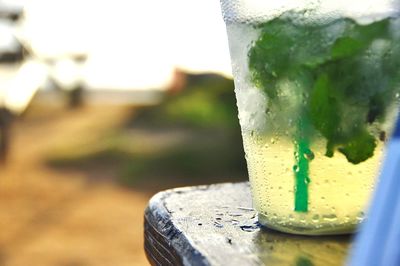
{"points": [[103, 104]]}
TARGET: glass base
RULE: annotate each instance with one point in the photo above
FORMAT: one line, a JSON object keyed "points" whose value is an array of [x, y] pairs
{"points": [[301, 229]]}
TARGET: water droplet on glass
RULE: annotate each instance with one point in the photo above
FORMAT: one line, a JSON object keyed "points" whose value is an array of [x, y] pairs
{"points": [[360, 215], [329, 218], [309, 155], [296, 168]]}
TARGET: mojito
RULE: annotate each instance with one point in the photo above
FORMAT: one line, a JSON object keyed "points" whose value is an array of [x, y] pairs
{"points": [[317, 99]]}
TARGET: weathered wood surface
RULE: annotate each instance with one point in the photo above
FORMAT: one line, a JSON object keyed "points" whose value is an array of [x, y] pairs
{"points": [[216, 225]]}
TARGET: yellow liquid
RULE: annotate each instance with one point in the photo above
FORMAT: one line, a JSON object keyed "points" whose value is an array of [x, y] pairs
{"points": [[339, 191]]}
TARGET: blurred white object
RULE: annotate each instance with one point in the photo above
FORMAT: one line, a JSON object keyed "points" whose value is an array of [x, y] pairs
{"points": [[19, 83], [66, 73], [8, 42], [10, 48], [11, 9]]}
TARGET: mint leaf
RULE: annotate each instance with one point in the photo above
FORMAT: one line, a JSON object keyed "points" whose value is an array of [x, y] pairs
{"points": [[324, 109], [346, 75], [268, 59], [342, 77], [346, 46], [280, 53], [359, 148]]}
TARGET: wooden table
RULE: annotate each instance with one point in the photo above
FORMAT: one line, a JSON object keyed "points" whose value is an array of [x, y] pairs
{"points": [[216, 225]]}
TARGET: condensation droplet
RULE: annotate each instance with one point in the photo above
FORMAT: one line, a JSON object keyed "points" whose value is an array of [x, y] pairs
{"points": [[309, 155], [330, 217]]}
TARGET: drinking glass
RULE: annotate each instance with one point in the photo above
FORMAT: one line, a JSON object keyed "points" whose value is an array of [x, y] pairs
{"points": [[317, 88]]}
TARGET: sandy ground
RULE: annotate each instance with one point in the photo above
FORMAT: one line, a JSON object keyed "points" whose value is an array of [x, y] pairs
{"points": [[51, 217]]}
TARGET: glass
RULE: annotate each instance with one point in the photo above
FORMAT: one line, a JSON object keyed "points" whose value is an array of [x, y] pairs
{"points": [[317, 87]]}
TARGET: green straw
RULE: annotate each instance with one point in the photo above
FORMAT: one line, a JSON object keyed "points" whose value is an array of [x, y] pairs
{"points": [[301, 168]]}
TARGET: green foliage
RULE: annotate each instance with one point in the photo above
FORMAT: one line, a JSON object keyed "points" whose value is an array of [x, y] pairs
{"points": [[207, 101], [190, 138], [349, 74]]}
